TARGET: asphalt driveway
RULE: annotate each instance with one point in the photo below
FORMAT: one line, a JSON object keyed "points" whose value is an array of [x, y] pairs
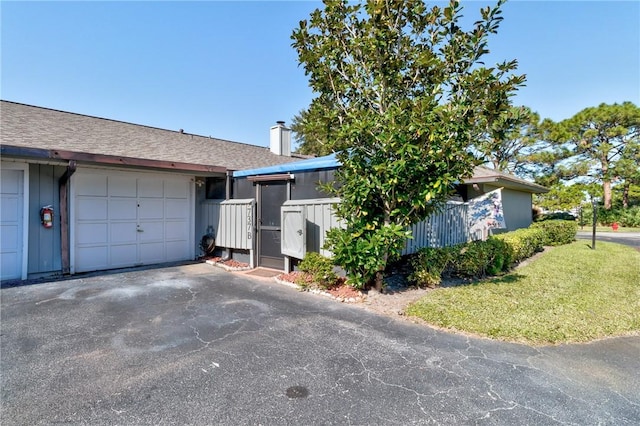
{"points": [[627, 238], [196, 345]]}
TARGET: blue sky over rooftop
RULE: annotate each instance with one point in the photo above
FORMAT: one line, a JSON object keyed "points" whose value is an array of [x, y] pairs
{"points": [[227, 69]]}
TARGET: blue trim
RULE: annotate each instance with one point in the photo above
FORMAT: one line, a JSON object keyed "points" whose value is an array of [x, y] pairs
{"points": [[326, 162]]}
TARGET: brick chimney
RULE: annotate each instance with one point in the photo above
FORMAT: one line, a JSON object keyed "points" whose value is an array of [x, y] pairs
{"points": [[280, 139]]}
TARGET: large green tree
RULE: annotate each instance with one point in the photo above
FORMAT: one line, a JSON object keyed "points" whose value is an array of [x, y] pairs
{"points": [[602, 139], [402, 88], [505, 142]]}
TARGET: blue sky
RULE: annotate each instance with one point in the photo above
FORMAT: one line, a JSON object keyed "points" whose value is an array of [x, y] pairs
{"points": [[227, 69]]}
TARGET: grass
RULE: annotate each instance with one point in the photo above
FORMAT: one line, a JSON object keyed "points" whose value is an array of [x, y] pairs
{"points": [[569, 294], [608, 229]]}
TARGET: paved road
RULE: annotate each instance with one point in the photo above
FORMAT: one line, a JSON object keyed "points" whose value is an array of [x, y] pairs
{"points": [[196, 345], [627, 238]]}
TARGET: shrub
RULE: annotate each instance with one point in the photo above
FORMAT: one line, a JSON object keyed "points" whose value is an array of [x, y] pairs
{"points": [[558, 232], [555, 216], [523, 243], [362, 253], [624, 217], [472, 260], [478, 259], [481, 258], [428, 266], [320, 268], [630, 217]]}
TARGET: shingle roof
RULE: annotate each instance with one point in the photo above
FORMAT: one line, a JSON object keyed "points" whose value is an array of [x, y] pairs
{"points": [[35, 127]]}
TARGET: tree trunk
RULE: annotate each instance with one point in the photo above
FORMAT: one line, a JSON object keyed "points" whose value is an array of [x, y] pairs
{"points": [[606, 183], [625, 194], [378, 281], [606, 189]]}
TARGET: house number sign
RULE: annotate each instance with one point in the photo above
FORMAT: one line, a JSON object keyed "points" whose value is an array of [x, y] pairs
{"points": [[249, 221]]}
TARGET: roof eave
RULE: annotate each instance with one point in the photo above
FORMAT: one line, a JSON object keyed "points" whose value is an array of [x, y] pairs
{"points": [[102, 159], [509, 183]]}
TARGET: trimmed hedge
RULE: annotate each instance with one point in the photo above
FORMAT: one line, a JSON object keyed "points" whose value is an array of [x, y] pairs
{"points": [[478, 259], [558, 232], [429, 264], [523, 243]]}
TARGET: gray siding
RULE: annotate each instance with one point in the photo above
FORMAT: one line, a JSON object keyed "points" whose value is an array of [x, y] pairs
{"points": [[209, 218], [517, 209], [306, 185], [516, 206], [444, 229], [236, 224], [44, 244], [243, 188], [320, 217], [447, 228]]}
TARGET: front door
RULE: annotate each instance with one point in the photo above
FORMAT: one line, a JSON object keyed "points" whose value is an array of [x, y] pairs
{"points": [[272, 196]]}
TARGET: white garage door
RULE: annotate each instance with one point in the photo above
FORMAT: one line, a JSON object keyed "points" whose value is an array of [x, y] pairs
{"points": [[125, 219], [11, 223]]}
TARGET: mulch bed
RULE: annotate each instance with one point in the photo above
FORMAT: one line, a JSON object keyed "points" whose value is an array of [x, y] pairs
{"points": [[339, 291], [229, 264]]}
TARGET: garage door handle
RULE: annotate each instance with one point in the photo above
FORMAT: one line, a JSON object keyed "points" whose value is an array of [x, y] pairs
{"points": [[140, 230]]}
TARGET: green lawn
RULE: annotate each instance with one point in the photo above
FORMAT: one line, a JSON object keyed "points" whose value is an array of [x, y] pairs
{"points": [[569, 294], [600, 229]]}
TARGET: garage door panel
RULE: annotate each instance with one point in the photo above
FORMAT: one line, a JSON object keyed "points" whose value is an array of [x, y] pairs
{"points": [[152, 252], [176, 189], [176, 231], [136, 219], [175, 250], [150, 188], [91, 208], [123, 209], [151, 231], [11, 222], [177, 209], [92, 233], [151, 208], [122, 186], [11, 182], [9, 240], [123, 232], [123, 254], [91, 184], [92, 258], [11, 209], [11, 265]]}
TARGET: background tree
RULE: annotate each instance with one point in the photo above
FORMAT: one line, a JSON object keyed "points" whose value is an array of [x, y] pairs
{"points": [[311, 134], [505, 143], [564, 197], [402, 88], [600, 137], [627, 169]]}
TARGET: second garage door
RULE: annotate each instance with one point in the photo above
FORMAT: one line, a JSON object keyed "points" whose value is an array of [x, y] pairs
{"points": [[127, 219]]}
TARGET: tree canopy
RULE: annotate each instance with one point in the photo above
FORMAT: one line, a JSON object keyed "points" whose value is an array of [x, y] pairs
{"points": [[598, 144], [400, 94], [505, 142]]}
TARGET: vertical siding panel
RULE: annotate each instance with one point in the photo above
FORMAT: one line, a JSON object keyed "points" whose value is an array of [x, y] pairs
{"points": [[232, 219], [446, 228], [442, 229]]}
